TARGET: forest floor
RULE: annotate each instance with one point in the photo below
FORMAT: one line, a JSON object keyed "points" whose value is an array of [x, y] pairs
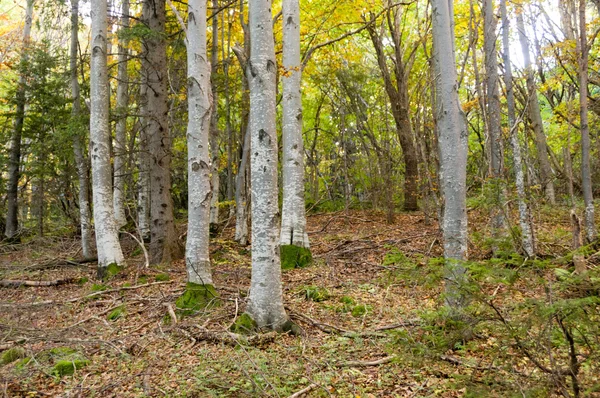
{"points": [[369, 309]]}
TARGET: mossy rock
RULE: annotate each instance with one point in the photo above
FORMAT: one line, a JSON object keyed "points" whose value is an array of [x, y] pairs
{"points": [[116, 313], [295, 257], [316, 293], [244, 324], [109, 272], [66, 367], [197, 297], [12, 355]]}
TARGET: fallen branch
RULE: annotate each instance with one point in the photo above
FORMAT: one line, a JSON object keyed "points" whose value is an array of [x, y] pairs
{"points": [[359, 364], [19, 283], [403, 324], [305, 390]]}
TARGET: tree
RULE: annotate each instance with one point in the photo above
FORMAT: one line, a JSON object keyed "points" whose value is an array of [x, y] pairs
{"points": [[214, 126], [107, 239], [12, 220], [452, 141], [265, 304], [293, 217], [164, 246], [198, 131]]}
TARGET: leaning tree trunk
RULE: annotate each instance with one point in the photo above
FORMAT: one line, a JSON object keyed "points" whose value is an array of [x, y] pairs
{"points": [[198, 131], [107, 239], [527, 241], [586, 175], [265, 303], [493, 115], [12, 192], [80, 158], [121, 125], [452, 141], [293, 216], [214, 125], [164, 246], [534, 114]]}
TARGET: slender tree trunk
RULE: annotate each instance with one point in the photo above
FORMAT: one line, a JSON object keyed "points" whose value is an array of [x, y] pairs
{"points": [[198, 131], [214, 125], [527, 241], [586, 174], [493, 114], [164, 246], [143, 160], [107, 239], [293, 217], [12, 192], [452, 141], [265, 304], [229, 131], [120, 151], [535, 116], [80, 159]]}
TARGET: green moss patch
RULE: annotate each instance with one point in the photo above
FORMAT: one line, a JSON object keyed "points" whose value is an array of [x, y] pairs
{"points": [[12, 355], [109, 272], [116, 313], [162, 277], [315, 293], [244, 324], [66, 367], [197, 297], [295, 257]]}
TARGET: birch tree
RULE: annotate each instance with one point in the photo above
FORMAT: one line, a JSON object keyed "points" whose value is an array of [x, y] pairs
{"points": [[293, 237], [121, 125], [452, 141], [12, 194], [107, 239], [265, 304], [85, 219], [214, 126]]}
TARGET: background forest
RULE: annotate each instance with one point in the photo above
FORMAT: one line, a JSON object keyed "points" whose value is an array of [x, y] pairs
{"points": [[440, 159]]}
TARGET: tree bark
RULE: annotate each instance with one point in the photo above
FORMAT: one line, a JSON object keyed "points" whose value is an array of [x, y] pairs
{"points": [[198, 131], [164, 246], [527, 241], [12, 191], [293, 216], [107, 239], [535, 116], [265, 304], [452, 141], [120, 151], [214, 125]]}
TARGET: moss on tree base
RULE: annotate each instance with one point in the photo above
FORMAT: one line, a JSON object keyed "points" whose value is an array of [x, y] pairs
{"points": [[295, 257], [109, 272], [197, 297], [244, 324]]}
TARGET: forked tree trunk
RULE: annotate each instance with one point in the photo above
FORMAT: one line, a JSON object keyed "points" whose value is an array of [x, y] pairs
{"points": [[81, 162], [527, 241], [452, 141], [265, 303], [293, 216], [120, 151], [198, 131], [12, 192], [107, 239]]}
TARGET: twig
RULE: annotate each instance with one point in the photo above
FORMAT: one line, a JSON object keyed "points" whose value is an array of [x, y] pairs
{"points": [[305, 390], [19, 283], [171, 313], [366, 363]]}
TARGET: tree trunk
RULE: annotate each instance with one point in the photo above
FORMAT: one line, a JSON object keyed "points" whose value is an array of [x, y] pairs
{"points": [[265, 304], [143, 159], [198, 131], [164, 246], [293, 216], [586, 174], [214, 125], [120, 151], [107, 239], [12, 192], [535, 116], [452, 141], [527, 241]]}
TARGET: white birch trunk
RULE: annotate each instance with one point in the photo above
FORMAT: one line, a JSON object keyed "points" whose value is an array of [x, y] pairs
{"points": [[526, 231], [107, 239], [85, 219], [452, 141], [198, 131], [265, 304], [121, 125], [293, 217], [214, 126]]}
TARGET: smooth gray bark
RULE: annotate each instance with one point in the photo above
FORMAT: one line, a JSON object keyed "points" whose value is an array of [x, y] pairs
{"points": [[107, 239], [452, 141], [214, 125], [85, 218], [12, 191], [293, 216], [265, 303], [199, 111], [120, 152], [527, 241]]}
